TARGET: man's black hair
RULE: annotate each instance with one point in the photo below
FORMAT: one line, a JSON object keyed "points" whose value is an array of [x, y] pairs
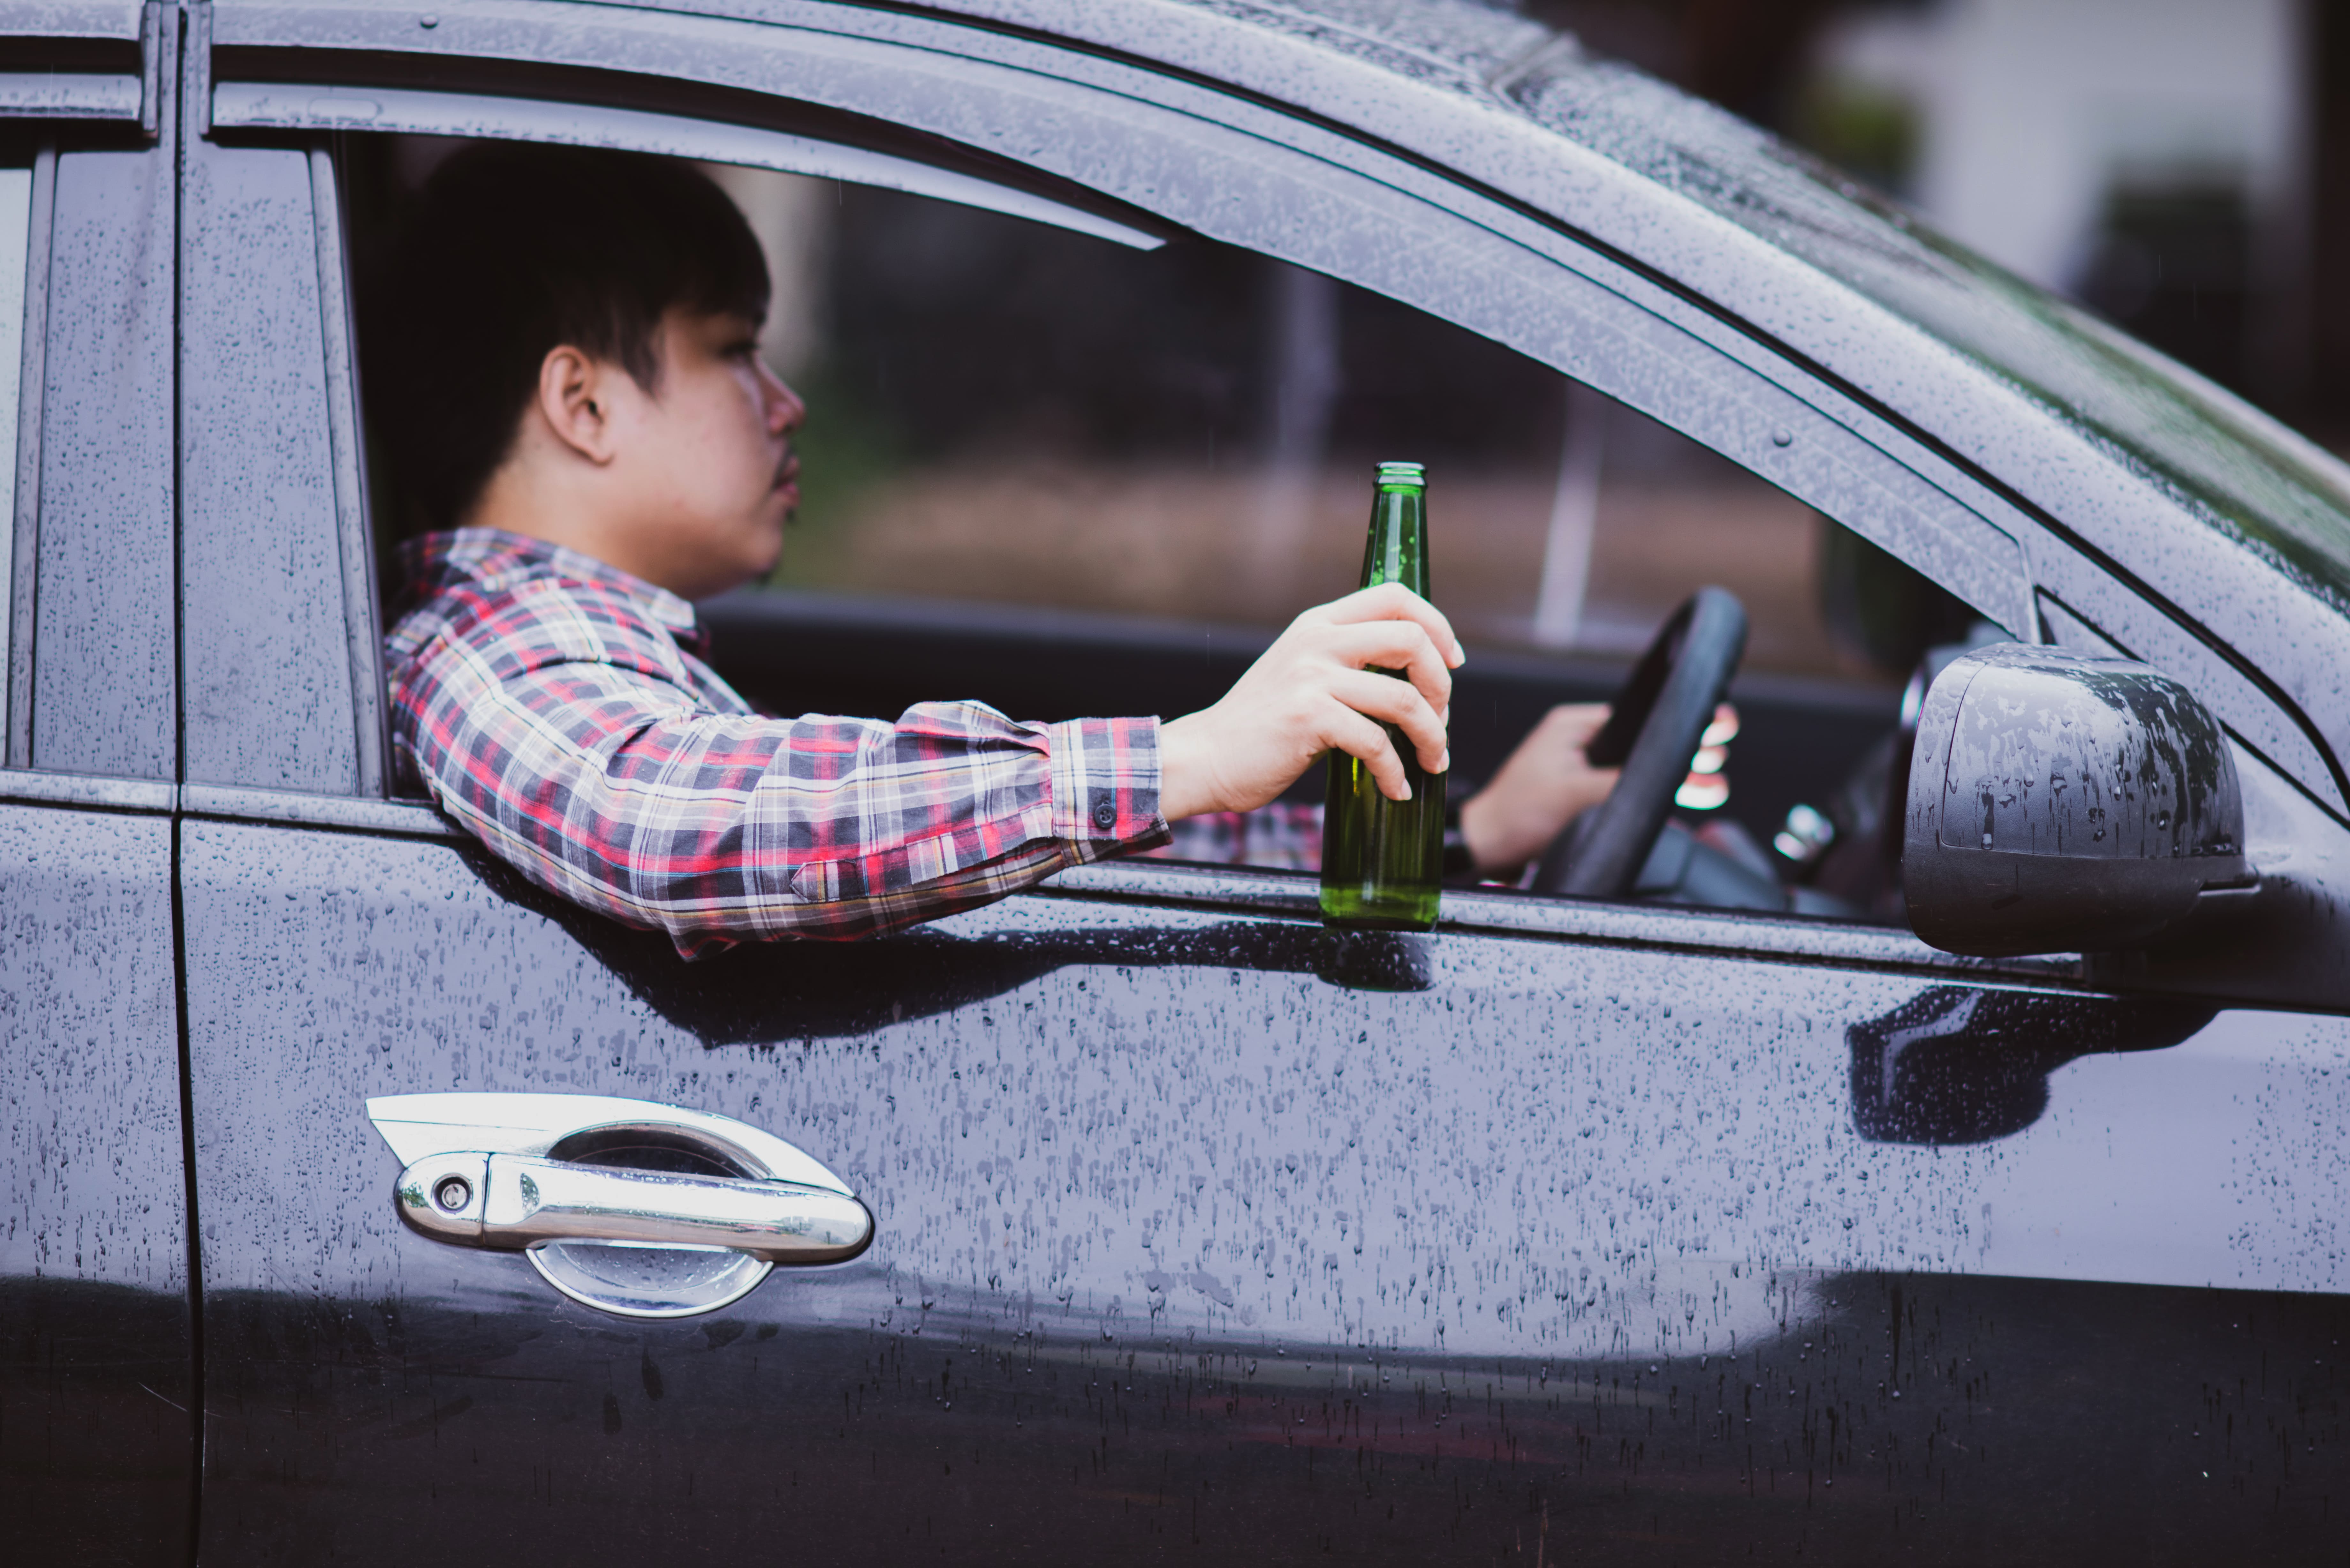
{"points": [[512, 251]]}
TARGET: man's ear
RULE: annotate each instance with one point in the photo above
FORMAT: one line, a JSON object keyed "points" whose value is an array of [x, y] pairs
{"points": [[575, 399]]}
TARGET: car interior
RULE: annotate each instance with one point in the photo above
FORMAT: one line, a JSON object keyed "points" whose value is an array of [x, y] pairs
{"points": [[1065, 475]]}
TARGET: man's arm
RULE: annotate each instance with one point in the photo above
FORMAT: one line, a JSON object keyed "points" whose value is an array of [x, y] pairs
{"points": [[559, 729], [610, 784]]}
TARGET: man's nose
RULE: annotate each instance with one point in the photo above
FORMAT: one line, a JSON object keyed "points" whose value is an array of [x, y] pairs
{"points": [[785, 412]]}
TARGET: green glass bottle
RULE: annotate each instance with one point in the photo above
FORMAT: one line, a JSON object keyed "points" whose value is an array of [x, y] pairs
{"points": [[1383, 860]]}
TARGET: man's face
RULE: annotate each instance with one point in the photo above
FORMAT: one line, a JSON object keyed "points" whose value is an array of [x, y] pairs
{"points": [[707, 459]]}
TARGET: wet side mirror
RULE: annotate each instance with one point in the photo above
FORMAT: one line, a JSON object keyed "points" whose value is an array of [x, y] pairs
{"points": [[2060, 802]]}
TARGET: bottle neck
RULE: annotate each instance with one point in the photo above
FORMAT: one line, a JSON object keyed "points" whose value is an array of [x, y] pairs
{"points": [[1397, 551]]}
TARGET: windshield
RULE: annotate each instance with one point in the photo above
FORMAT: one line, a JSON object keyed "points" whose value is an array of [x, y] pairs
{"points": [[2275, 494]]}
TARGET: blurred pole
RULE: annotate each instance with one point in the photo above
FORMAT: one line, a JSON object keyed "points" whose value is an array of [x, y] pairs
{"points": [[2282, 314], [1573, 510], [1305, 369], [1304, 374], [2326, 33]]}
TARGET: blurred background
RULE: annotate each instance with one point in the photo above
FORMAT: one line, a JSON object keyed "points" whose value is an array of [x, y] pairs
{"points": [[2181, 166], [1009, 414]]}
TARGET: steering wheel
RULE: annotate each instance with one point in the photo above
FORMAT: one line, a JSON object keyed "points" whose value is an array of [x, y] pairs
{"points": [[1659, 718]]}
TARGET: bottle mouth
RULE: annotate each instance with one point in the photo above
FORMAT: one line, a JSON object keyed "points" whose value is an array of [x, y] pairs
{"points": [[1403, 476]]}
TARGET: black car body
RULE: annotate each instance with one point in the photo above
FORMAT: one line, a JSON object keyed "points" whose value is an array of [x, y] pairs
{"points": [[1594, 1232]]}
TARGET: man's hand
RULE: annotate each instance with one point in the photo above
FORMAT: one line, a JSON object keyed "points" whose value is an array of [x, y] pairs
{"points": [[1316, 691], [1543, 786]]}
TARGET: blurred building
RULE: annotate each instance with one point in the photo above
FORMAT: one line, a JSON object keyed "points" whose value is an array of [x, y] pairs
{"points": [[2181, 166]]}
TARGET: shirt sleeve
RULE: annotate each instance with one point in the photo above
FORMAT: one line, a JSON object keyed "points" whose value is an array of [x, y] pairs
{"points": [[610, 785]]}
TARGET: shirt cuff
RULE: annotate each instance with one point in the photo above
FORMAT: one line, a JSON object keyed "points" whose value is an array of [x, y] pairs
{"points": [[1104, 775]]}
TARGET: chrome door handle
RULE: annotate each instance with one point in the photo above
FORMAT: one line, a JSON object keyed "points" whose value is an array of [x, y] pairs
{"points": [[510, 1202], [510, 1173]]}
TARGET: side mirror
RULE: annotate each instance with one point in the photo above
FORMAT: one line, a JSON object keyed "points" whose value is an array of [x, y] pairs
{"points": [[2060, 802]]}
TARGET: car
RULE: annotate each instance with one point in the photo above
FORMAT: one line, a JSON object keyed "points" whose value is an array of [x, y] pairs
{"points": [[365, 1204]]}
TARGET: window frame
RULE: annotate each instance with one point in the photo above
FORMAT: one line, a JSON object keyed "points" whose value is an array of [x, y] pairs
{"points": [[48, 52], [1612, 327], [18, 621]]}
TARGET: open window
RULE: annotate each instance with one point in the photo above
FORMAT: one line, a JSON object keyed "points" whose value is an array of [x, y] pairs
{"points": [[1068, 464]]}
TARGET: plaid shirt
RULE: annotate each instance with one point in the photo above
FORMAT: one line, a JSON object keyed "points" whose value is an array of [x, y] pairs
{"points": [[558, 709]]}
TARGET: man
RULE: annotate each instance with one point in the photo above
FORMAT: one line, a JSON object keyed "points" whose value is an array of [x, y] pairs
{"points": [[562, 363]]}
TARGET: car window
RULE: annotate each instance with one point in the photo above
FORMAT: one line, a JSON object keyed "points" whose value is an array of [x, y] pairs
{"points": [[1007, 413], [1153, 458], [1011, 417]]}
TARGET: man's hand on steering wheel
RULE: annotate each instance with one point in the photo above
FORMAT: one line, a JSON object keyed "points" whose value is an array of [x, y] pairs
{"points": [[1545, 784], [1659, 721]]}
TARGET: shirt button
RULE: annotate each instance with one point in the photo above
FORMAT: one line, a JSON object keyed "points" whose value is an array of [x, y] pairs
{"points": [[1105, 817]]}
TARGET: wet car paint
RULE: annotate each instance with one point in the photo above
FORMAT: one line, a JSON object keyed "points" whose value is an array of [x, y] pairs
{"points": [[97, 1385], [99, 1402], [1196, 1230], [1939, 1418]]}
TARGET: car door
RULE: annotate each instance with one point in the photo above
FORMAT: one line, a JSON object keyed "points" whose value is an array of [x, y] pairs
{"points": [[97, 1390], [1576, 1227]]}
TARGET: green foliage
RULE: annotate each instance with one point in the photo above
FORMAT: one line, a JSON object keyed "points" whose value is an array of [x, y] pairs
{"points": [[1864, 130], [847, 449]]}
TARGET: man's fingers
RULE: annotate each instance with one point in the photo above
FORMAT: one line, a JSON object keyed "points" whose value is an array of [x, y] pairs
{"points": [[1399, 704], [1395, 644], [1350, 731], [1392, 601]]}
